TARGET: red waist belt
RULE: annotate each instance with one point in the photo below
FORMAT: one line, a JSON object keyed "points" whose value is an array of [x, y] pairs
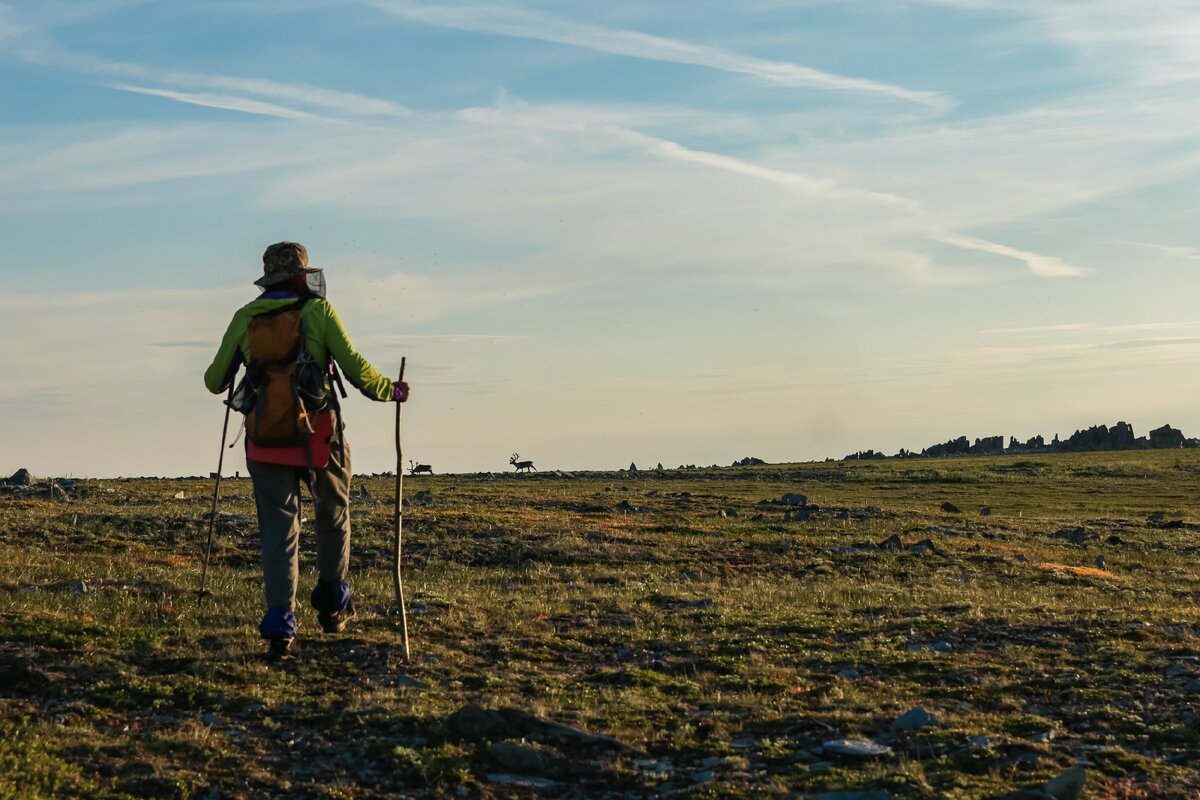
{"points": [[318, 446]]}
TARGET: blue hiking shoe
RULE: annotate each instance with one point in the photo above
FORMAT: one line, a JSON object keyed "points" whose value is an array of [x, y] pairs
{"points": [[334, 605], [278, 627]]}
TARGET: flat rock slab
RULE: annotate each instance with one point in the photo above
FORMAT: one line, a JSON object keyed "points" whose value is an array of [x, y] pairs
{"points": [[477, 724], [524, 781], [518, 758], [855, 748]]}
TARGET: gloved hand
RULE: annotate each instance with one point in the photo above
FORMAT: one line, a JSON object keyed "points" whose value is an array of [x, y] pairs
{"points": [[400, 392]]}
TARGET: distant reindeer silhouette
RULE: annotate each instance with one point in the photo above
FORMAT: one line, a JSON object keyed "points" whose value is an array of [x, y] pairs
{"points": [[521, 465], [415, 468]]}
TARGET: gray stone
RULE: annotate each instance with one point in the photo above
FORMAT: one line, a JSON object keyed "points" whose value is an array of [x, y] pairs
{"points": [[794, 499], [1068, 785], [410, 683], [915, 719], [21, 478], [522, 781], [923, 547], [855, 748], [870, 794], [986, 511], [950, 508], [475, 723], [518, 757]]}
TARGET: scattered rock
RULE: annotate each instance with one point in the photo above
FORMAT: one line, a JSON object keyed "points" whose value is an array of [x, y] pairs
{"points": [[855, 748], [924, 547], [1075, 536], [518, 757], [749, 461], [20, 478], [421, 498], [21, 672], [522, 781], [181, 495], [986, 511], [1100, 562], [477, 724], [870, 794], [950, 508], [404, 681], [915, 719], [893, 542], [1066, 786], [794, 500]]}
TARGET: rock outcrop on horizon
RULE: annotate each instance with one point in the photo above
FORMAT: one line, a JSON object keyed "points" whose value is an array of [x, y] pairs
{"points": [[1096, 438]]}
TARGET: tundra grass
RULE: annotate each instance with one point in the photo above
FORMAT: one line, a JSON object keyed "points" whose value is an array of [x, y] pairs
{"points": [[679, 612]]}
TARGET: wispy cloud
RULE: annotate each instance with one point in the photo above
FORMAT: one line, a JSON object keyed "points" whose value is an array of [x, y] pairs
{"points": [[1172, 251], [904, 216], [226, 102], [1088, 327], [526, 24], [1041, 265], [247, 94]]}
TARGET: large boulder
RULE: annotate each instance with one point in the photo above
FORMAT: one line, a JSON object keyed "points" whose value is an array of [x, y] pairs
{"points": [[20, 478], [1166, 437]]}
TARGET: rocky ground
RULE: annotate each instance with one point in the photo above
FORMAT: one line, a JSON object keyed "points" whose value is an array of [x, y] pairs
{"points": [[957, 628]]}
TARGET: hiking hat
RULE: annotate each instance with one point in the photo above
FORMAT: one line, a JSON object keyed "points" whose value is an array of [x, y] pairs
{"points": [[283, 261]]}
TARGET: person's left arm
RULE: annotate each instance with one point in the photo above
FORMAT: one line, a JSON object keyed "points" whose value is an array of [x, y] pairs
{"points": [[354, 366]]}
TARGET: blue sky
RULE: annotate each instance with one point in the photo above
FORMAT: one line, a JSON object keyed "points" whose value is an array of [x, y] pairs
{"points": [[603, 233]]}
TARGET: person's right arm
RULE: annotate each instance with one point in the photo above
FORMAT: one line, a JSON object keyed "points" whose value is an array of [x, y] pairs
{"points": [[223, 369]]}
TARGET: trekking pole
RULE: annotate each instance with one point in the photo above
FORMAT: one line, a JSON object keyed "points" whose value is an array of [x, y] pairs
{"points": [[212, 518], [397, 581]]}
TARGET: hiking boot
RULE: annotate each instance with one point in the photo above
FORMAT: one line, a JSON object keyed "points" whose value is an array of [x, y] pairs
{"points": [[282, 649], [335, 622]]}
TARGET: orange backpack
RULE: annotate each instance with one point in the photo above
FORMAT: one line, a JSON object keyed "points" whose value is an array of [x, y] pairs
{"points": [[284, 388]]}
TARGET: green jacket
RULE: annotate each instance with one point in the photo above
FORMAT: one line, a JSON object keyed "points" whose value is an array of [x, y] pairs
{"points": [[326, 337]]}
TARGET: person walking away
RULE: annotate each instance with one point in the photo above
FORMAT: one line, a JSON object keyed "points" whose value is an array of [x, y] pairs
{"points": [[292, 342]]}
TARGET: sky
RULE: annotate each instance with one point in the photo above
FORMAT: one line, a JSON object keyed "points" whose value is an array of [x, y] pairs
{"points": [[601, 233]]}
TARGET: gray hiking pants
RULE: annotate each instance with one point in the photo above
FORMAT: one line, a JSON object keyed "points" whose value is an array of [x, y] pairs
{"points": [[277, 496]]}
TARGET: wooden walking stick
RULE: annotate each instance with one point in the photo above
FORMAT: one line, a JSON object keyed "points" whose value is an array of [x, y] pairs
{"points": [[397, 581], [212, 518]]}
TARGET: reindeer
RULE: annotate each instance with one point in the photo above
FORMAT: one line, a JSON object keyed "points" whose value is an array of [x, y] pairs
{"points": [[521, 465], [414, 468]]}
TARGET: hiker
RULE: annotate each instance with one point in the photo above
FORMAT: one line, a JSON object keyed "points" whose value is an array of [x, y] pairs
{"points": [[292, 343]]}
